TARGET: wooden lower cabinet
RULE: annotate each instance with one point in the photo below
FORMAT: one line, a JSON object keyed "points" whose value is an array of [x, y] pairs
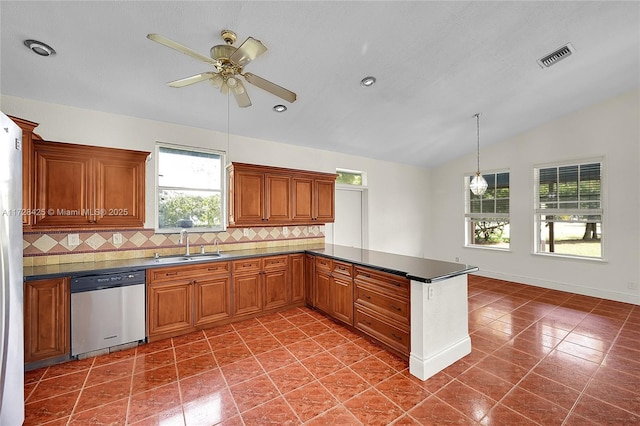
{"points": [[212, 300], [260, 284], [334, 288], [247, 294], [382, 307], [47, 308], [309, 279], [170, 308], [297, 277], [181, 299]]}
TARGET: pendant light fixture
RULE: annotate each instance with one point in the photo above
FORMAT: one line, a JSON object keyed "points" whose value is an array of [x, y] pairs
{"points": [[478, 184]]}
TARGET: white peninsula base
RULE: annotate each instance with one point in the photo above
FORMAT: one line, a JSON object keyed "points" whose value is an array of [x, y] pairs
{"points": [[439, 325]]}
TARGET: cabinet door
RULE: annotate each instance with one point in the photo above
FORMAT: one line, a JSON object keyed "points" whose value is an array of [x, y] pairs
{"points": [[248, 197], [63, 187], [342, 299], [278, 199], [120, 190], [302, 199], [46, 319], [297, 278], [170, 307], [325, 201], [309, 279], [323, 291], [212, 300], [247, 294], [275, 289]]}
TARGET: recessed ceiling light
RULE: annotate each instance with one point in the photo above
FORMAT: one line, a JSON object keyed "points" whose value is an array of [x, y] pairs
{"points": [[40, 48], [279, 108], [368, 81]]}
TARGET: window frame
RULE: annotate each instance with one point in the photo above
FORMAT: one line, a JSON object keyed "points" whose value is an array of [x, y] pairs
{"points": [[538, 212], [223, 188], [469, 228], [363, 177]]}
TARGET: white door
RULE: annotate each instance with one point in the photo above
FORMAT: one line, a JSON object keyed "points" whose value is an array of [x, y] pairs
{"points": [[348, 229]]}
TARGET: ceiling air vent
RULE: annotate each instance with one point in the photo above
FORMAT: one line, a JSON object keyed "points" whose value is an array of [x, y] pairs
{"points": [[555, 56]]}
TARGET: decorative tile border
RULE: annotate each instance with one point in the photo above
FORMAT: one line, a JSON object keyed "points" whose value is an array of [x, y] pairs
{"points": [[96, 245]]}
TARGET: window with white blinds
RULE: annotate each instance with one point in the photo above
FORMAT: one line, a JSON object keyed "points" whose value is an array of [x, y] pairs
{"points": [[487, 215], [568, 209]]}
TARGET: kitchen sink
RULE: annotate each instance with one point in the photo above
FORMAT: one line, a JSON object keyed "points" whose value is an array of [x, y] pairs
{"points": [[191, 258]]}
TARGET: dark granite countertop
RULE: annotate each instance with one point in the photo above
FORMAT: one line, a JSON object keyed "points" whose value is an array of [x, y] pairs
{"points": [[415, 268]]}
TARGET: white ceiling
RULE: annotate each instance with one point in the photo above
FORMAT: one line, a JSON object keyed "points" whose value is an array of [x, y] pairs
{"points": [[436, 63]]}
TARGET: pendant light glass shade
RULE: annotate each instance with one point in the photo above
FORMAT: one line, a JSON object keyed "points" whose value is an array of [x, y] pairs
{"points": [[478, 184]]}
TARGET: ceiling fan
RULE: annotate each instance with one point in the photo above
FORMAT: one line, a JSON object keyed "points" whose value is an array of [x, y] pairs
{"points": [[229, 62]]}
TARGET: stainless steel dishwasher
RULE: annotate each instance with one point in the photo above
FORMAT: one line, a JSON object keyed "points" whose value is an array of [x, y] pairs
{"points": [[107, 310]]}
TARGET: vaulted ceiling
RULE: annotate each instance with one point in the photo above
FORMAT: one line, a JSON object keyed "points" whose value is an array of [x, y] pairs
{"points": [[437, 63]]}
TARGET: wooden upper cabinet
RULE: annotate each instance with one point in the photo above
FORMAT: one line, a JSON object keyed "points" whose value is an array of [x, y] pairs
{"points": [[263, 195], [28, 136], [325, 200], [81, 187]]}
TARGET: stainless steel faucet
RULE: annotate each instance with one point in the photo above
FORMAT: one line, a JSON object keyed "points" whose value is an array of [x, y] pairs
{"points": [[185, 233]]}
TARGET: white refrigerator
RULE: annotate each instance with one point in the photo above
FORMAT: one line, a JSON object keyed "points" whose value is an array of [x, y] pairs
{"points": [[11, 301]]}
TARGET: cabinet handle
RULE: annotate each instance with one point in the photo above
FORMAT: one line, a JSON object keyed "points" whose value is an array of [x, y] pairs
{"points": [[213, 269], [194, 282], [168, 274], [366, 322], [396, 337], [396, 308], [246, 265], [366, 275], [366, 296]]}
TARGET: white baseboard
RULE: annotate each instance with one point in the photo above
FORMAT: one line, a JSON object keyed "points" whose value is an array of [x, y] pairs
{"points": [[555, 285], [425, 368]]}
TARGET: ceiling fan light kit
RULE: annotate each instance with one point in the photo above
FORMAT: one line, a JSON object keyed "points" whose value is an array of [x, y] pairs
{"points": [[228, 62]]}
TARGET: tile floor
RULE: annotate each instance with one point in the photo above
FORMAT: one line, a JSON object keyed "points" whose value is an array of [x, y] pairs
{"points": [[539, 357]]}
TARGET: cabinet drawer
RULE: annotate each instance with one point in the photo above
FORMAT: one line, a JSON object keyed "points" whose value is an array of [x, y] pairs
{"points": [[342, 268], [323, 263], [391, 282], [173, 273], [276, 262], [246, 265], [396, 336], [371, 297]]}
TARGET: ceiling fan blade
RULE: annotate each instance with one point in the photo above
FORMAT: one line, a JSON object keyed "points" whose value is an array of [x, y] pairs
{"points": [[248, 51], [241, 95], [180, 48], [192, 80], [270, 87]]}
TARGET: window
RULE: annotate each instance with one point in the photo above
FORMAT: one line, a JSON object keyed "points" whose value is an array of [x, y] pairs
{"points": [[487, 215], [568, 209], [190, 189], [350, 177]]}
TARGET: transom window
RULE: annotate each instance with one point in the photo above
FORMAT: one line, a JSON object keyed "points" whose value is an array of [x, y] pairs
{"points": [[350, 177], [487, 215], [190, 189], [568, 209]]}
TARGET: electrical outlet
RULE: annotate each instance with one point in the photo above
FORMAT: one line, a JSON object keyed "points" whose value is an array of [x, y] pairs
{"points": [[117, 238], [285, 231], [245, 232], [457, 259], [73, 240], [430, 292]]}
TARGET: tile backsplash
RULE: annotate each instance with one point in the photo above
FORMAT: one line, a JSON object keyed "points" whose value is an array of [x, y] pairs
{"points": [[46, 248]]}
